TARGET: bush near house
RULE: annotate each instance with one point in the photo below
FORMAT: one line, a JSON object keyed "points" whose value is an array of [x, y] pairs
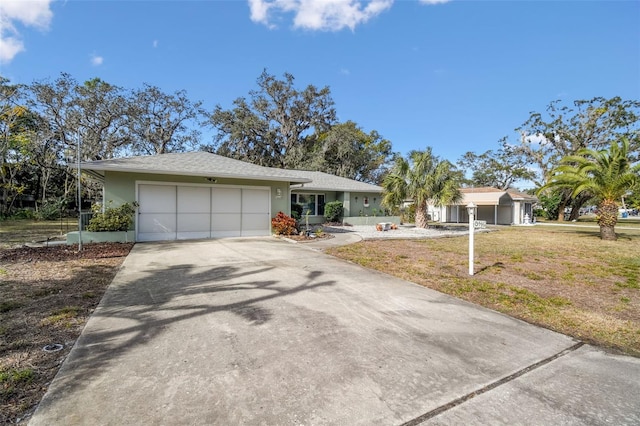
{"points": [[333, 211], [409, 214], [283, 224], [112, 219], [296, 211]]}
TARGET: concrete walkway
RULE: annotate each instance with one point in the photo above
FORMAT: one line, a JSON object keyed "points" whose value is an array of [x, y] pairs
{"points": [[263, 332]]}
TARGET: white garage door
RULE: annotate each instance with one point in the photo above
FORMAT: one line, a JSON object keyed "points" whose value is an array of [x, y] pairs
{"points": [[170, 212]]}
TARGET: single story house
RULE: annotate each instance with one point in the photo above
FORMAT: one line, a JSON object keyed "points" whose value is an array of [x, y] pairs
{"points": [[495, 206], [202, 195]]}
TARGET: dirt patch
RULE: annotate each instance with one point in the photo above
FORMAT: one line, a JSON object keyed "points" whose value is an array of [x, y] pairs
{"points": [[46, 296]]}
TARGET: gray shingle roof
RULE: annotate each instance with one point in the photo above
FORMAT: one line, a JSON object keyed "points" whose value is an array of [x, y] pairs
{"points": [[326, 182], [212, 165], [194, 164]]}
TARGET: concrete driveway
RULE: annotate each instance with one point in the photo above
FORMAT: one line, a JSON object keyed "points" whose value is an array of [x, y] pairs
{"points": [[264, 332]]}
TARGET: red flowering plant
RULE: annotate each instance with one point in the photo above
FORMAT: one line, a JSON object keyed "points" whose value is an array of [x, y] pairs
{"points": [[284, 225]]}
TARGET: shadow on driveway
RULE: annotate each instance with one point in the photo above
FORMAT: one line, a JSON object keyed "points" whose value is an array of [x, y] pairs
{"points": [[261, 331]]}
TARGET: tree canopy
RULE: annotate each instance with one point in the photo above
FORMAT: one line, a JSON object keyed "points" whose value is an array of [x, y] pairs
{"points": [[42, 123], [346, 150], [604, 176], [281, 126], [563, 130], [157, 121], [497, 169], [276, 126]]}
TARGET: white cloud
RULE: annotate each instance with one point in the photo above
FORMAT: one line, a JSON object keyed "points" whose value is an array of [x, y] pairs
{"points": [[30, 13], [96, 60], [323, 15], [537, 139], [155, 43], [434, 1], [345, 71]]}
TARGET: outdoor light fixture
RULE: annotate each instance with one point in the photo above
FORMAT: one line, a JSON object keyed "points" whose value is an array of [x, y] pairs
{"points": [[471, 209], [356, 199]]}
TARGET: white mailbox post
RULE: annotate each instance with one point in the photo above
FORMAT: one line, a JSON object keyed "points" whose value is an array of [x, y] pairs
{"points": [[471, 209]]}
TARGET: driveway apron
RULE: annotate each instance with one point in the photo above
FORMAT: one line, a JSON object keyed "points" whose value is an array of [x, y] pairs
{"points": [[264, 332]]}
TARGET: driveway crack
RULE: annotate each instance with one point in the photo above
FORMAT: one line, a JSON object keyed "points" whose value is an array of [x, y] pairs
{"points": [[441, 409]]}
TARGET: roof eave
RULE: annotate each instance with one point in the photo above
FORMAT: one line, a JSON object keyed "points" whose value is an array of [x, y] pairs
{"points": [[316, 188], [185, 173]]}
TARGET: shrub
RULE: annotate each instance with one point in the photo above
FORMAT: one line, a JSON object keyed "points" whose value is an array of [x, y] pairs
{"points": [[283, 224], [551, 205], [51, 210], [28, 214], [333, 211], [409, 214], [113, 218], [296, 211]]}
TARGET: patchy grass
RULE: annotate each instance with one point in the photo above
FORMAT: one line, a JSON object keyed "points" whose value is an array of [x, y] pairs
{"points": [[18, 232], [564, 279], [47, 295], [63, 317]]}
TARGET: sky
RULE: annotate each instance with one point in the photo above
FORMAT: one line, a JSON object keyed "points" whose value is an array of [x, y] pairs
{"points": [[456, 76]]}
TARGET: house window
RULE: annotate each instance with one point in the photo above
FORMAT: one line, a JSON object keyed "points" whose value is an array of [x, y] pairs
{"points": [[312, 203]]}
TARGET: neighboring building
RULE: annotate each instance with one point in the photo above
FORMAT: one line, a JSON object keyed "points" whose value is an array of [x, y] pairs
{"points": [[495, 206], [203, 195]]}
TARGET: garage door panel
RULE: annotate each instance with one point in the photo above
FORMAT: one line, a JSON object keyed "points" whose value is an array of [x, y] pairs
{"points": [[225, 225], [194, 225], [226, 200], [157, 226], [194, 220], [157, 212], [255, 213], [255, 201], [194, 199], [255, 224], [157, 199]]}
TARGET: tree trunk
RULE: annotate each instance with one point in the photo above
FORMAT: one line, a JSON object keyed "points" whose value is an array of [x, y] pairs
{"points": [[607, 215], [575, 213], [576, 205], [421, 216], [608, 233], [561, 207]]}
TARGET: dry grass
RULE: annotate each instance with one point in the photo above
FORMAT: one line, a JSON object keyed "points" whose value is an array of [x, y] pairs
{"points": [[46, 297], [17, 232], [565, 279]]}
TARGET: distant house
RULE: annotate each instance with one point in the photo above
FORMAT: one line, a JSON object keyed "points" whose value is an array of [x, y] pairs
{"points": [[495, 206]]}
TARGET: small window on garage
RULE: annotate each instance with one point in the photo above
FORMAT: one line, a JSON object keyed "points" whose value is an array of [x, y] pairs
{"points": [[311, 203]]}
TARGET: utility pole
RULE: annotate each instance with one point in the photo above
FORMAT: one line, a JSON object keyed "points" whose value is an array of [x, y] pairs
{"points": [[78, 185]]}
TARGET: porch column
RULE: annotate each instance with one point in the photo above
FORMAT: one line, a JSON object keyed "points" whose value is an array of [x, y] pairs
{"points": [[495, 214], [346, 204]]}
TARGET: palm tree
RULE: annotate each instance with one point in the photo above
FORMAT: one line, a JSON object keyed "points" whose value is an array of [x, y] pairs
{"points": [[606, 175], [423, 178]]}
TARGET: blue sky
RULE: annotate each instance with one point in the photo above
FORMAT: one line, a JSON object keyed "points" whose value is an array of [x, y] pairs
{"points": [[453, 75]]}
